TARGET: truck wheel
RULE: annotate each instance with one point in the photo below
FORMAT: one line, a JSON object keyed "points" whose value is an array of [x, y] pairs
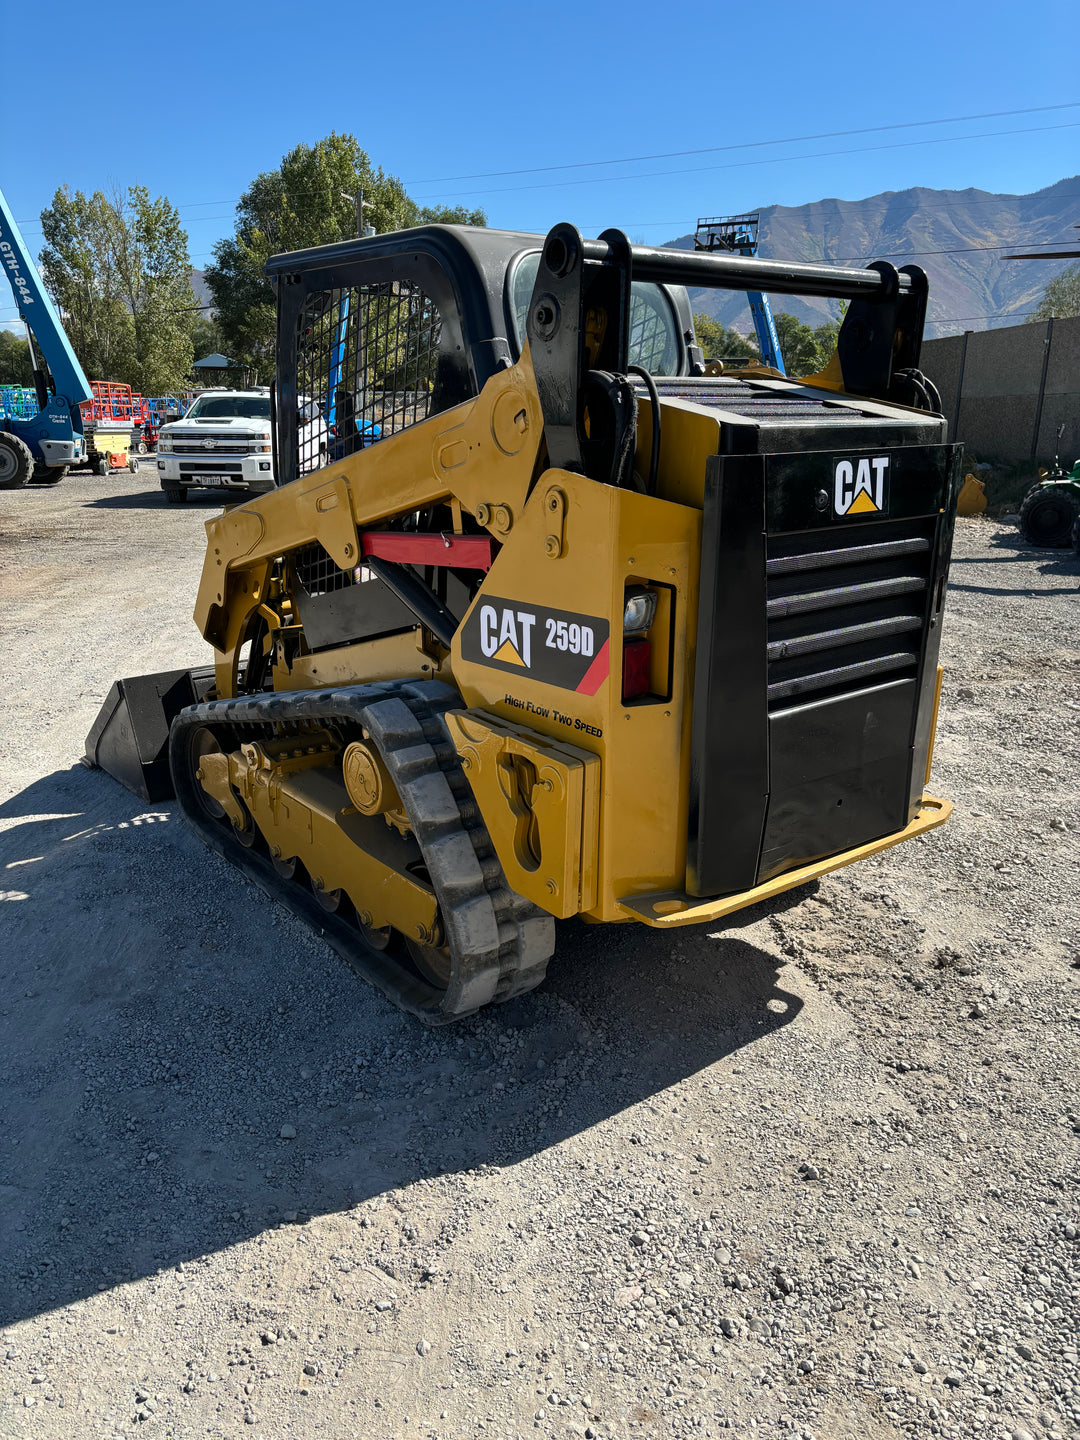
{"points": [[50, 474], [175, 494], [1076, 533], [16, 463], [1047, 515]]}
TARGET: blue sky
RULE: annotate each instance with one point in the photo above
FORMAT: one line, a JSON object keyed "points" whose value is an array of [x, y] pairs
{"points": [[204, 97]]}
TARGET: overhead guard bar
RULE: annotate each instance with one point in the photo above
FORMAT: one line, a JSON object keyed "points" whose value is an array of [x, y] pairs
{"points": [[739, 272]]}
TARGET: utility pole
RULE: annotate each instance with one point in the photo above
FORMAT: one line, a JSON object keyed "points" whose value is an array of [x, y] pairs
{"points": [[362, 231], [1047, 342]]}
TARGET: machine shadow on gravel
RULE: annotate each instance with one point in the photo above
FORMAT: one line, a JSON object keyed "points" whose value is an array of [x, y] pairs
{"points": [[155, 500], [162, 1023], [1014, 550]]}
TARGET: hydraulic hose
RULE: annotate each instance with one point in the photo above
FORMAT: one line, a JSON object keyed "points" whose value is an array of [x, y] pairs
{"points": [[654, 397]]}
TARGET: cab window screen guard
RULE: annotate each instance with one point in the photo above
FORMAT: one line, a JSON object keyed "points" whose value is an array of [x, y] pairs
{"points": [[367, 367], [653, 342]]}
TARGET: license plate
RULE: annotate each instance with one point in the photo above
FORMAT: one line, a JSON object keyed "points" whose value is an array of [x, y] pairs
{"points": [[211, 480]]}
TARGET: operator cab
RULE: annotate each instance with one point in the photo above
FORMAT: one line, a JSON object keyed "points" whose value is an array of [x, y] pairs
{"points": [[384, 332]]}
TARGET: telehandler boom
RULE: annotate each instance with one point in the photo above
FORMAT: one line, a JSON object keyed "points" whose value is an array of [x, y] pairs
{"points": [[591, 628], [42, 443]]}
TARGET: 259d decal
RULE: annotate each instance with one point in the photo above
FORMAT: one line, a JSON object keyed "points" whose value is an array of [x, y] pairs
{"points": [[557, 647]]}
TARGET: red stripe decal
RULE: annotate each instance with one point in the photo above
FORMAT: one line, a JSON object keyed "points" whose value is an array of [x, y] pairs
{"points": [[597, 672], [464, 552]]}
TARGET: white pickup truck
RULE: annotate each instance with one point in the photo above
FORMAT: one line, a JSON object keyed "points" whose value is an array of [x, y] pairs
{"points": [[223, 443]]}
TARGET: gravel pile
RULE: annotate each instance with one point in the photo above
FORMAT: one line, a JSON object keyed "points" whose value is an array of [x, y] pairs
{"points": [[815, 1175]]}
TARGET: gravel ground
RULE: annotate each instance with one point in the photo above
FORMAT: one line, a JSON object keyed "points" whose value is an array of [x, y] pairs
{"points": [[814, 1175]]}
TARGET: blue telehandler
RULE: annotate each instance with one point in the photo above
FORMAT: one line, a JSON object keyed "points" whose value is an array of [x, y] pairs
{"points": [[738, 234], [40, 448]]}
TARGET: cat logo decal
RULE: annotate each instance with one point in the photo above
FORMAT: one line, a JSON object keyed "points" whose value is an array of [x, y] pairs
{"points": [[861, 485]]}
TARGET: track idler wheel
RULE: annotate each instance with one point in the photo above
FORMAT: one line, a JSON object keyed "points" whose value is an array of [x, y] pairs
{"points": [[434, 962]]}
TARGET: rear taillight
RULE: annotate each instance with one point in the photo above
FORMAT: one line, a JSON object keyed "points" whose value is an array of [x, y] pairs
{"points": [[639, 611], [635, 668]]}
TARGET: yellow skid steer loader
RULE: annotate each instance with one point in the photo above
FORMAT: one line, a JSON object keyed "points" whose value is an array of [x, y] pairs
{"points": [[550, 618]]}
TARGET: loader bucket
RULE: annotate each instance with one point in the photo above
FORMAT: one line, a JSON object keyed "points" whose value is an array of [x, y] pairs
{"points": [[130, 737], [972, 497]]}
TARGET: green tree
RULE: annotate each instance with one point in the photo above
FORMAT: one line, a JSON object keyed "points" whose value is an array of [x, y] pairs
{"points": [[447, 215], [16, 367], [206, 336], [718, 342], [304, 202], [1061, 297], [78, 266], [805, 350], [154, 270], [825, 339], [118, 268]]}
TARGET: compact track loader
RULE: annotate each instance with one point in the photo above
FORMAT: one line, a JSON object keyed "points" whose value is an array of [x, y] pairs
{"points": [[549, 617]]}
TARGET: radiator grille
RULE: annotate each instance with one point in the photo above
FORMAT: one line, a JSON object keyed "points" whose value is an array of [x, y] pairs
{"points": [[367, 367], [219, 447], [845, 607]]}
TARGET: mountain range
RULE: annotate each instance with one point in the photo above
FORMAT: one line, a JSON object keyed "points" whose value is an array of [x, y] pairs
{"points": [[959, 237]]}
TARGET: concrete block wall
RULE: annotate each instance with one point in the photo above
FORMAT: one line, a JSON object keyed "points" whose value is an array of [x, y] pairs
{"points": [[999, 375]]}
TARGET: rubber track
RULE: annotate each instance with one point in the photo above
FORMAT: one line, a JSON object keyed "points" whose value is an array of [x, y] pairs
{"points": [[500, 941]]}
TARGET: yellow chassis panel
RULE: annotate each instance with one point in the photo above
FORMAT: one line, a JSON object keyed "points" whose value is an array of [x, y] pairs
{"points": [[543, 820], [667, 909]]}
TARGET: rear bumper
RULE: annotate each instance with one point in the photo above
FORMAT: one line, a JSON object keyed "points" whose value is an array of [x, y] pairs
{"points": [[813, 714], [62, 452], [666, 909]]}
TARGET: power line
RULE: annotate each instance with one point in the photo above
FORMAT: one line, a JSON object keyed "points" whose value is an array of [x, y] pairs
{"points": [[716, 149], [686, 220], [884, 197], [746, 164], [746, 145], [958, 250]]}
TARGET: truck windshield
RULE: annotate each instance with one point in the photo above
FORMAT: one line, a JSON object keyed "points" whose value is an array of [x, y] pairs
{"points": [[222, 407]]}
